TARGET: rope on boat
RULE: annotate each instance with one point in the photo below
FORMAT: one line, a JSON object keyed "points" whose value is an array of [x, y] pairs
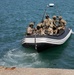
{"points": [[35, 43]]}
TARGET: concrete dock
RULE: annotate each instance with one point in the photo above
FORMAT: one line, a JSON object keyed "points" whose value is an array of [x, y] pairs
{"points": [[35, 71]]}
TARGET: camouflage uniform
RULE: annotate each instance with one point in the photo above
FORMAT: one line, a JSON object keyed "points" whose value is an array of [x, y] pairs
{"points": [[40, 24], [47, 21], [50, 31], [62, 23], [54, 23], [40, 29], [30, 29]]}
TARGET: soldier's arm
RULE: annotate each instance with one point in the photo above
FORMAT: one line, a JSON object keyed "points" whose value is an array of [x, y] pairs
{"points": [[44, 23], [64, 22]]}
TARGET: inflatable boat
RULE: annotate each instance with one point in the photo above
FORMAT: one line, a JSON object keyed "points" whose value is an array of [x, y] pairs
{"points": [[40, 42]]}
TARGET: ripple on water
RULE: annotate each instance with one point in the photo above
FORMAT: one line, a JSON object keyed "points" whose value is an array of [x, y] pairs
{"points": [[19, 58]]}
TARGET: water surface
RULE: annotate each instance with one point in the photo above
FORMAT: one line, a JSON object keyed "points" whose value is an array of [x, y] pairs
{"points": [[15, 16]]}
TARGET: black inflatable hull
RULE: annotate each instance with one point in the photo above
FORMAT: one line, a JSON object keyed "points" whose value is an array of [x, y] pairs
{"points": [[43, 42], [39, 47]]}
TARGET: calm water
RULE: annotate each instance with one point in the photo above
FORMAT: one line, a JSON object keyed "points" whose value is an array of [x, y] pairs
{"points": [[14, 18]]}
